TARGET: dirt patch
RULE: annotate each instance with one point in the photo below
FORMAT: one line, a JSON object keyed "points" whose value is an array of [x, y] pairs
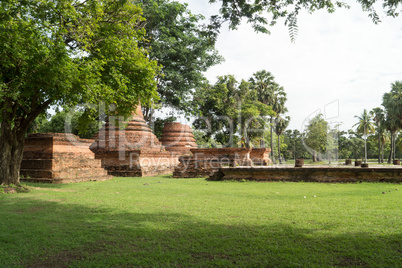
{"points": [[59, 260], [351, 262], [64, 258], [52, 189], [10, 190]]}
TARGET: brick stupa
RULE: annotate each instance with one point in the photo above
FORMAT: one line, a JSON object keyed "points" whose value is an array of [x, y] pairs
{"points": [[60, 158], [178, 138], [133, 151]]}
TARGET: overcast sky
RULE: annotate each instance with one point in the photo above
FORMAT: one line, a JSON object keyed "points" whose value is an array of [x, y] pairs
{"points": [[338, 60]]}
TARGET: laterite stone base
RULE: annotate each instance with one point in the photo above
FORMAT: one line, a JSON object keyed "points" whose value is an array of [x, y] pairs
{"points": [[60, 158], [310, 174], [204, 162]]}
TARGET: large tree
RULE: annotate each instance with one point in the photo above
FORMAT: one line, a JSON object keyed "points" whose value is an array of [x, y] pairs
{"points": [[182, 47], [392, 103], [280, 126], [316, 136], [379, 118], [270, 93], [230, 110], [294, 142], [365, 127], [356, 143], [63, 53]]}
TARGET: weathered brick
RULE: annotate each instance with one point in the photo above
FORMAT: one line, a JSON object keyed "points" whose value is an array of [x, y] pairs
{"points": [[204, 162], [133, 151], [59, 158]]}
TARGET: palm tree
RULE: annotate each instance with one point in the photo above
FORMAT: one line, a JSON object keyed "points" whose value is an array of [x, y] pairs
{"points": [[269, 93], [365, 127], [384, 138], [392, 102], [280, 126], [392, 126], [379, 117]]}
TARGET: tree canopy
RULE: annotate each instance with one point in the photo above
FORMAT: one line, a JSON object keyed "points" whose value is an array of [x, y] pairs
{"points": [[270, 93], [63, 53], [182, 47], [316, 136], [392, 102], [230, 110]]}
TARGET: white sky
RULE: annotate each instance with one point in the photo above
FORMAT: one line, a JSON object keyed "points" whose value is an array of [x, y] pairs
{"points": [[337, 58]]}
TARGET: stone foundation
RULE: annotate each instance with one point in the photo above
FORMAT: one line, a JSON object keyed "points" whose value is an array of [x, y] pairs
{"points": [[136, 163], [60, 158], [204, 162], [310, 174]]}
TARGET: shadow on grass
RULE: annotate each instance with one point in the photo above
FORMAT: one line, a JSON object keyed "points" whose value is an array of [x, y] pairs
{"points": [[38, 233]]}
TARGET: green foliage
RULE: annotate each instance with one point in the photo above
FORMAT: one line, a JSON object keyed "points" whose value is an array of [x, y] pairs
{"points": [[261, 14], [67, 122], [392, 103], [158, 124], [229, 110], [71, 52], [356, 143], [365, 125], [203, 142], [295, 148], [270, 93], [316, 135], [64, 53], [182, 48]]}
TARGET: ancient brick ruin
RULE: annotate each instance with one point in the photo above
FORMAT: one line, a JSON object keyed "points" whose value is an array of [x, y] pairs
{"points": [[136, 152], [310, 174], [178, 138], [260, 156], [204, 162], [60, 158]]}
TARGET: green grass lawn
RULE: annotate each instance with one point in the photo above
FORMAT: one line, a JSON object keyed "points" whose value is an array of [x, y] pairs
{"points": [[163, 222]]}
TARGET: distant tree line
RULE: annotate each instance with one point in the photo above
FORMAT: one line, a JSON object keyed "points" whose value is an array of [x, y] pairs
{"points": [[376, 135]]}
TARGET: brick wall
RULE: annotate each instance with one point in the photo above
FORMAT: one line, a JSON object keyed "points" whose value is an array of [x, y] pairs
{"points": [[59, 158]]}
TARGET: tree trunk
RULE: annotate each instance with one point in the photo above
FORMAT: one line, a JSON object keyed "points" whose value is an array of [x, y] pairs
{"points": [[379, 147], [393, 157], [365, 150], [279, 149], [11, 150], [272, 146], [390, 153], [329, 154]]}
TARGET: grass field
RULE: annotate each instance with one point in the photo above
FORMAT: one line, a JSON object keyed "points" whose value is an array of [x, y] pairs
{"points": [[162, 222]]}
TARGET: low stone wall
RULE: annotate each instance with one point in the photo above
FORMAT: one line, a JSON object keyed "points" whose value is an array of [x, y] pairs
{"points": [[310, 174], [204, 162], [60, 158]]}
